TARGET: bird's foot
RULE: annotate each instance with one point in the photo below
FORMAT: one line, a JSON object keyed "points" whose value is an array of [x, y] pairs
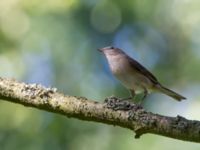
{"points": [[120, 104]]}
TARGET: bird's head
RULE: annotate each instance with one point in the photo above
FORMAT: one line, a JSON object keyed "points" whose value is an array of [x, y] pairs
{"points": [[110, 50]]}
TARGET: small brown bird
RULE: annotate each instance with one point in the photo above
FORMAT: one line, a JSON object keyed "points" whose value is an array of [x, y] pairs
{"points": [[133, 75]]}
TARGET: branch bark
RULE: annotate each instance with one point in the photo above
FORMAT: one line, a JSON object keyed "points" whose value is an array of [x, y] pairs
{"points": [[136, 119]]}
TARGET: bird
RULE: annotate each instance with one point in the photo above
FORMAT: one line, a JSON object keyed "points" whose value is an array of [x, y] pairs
{"points": [[135, 77]]}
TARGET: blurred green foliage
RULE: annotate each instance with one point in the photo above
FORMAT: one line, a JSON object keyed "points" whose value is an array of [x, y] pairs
{"points": [[54, 42]]}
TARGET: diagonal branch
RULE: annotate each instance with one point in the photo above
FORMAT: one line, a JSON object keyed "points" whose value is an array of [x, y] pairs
{"points": [[137, 119]]}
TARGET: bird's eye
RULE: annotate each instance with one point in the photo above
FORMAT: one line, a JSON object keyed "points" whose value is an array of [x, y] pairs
{"points": [[111, 47]]}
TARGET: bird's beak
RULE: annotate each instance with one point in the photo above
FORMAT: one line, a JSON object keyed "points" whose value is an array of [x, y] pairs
{"points": [[100, 50]]}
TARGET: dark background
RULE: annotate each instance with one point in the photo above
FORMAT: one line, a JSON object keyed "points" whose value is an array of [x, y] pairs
{"points": [[54, 42]]}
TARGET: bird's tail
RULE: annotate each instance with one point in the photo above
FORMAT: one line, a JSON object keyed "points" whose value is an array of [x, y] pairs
{"points": [[171, 93]]}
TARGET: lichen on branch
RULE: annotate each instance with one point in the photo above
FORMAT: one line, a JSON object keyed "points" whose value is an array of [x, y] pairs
{"points": [[135, 118]]}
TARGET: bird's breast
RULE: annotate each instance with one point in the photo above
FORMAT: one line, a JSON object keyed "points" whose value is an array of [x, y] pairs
{"points": [[128, 76], [117, 64]]}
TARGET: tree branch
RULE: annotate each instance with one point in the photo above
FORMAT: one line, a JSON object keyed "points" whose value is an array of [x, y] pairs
{"points": [[136, 119]]}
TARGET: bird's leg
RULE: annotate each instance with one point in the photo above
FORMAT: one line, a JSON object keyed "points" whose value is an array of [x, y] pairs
{"points": [[145, 94], [132, 93]]}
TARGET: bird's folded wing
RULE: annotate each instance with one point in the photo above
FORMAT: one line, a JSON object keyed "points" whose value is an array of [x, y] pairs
{"points": [[138, 67]]}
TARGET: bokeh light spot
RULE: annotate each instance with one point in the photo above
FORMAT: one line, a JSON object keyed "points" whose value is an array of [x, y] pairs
{"points": [[15, 24], [105, 17]]}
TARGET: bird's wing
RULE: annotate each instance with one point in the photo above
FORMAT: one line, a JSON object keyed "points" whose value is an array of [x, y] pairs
{"points": [[142, 70]]}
